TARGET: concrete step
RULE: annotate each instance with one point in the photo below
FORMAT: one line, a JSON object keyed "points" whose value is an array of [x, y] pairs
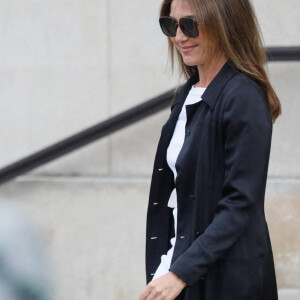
{"points": [[289, 294]]}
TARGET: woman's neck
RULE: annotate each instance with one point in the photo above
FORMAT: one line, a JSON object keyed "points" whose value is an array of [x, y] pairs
{"points": [[208, 72]]}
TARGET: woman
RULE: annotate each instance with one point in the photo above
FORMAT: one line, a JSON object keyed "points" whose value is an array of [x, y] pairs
{"points": [[212, 160]]}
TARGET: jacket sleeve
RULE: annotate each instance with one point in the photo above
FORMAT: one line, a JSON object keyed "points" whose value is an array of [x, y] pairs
{"points": [[247, 130]]}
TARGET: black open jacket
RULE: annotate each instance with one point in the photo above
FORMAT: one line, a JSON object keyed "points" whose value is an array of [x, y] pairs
{"points": [[223, 249]]}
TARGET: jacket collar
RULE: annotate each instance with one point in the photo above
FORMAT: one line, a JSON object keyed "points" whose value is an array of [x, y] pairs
{"points": [[214, 89]]}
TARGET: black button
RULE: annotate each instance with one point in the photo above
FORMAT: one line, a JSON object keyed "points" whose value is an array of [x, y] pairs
{"points": [[192, 196], [187, 131]]}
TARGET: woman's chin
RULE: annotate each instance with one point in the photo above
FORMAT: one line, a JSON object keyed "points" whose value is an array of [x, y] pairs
{"points": [[189, 62], [193, 62]]}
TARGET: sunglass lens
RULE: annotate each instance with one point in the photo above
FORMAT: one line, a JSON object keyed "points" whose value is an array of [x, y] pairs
{"points": [[168, 26], [189, 27]]}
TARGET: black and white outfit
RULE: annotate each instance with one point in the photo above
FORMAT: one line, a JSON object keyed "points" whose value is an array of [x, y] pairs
{"points": [[217, 241], [173, 151]]}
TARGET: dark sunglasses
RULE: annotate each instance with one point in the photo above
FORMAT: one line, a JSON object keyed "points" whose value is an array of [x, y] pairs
{"points": [[188, 25]]}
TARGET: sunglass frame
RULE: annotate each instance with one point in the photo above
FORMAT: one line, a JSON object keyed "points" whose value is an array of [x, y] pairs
{"points": [[192, 32]]}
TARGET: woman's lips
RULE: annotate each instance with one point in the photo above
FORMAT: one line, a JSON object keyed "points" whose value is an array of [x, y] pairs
{"points": [[187, 49]]}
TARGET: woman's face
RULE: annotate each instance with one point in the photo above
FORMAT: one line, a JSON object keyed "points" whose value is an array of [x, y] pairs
{"points": [[191, 49]]}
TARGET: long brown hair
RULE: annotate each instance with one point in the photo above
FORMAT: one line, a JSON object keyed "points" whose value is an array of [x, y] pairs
{"points": [[230, 26]]}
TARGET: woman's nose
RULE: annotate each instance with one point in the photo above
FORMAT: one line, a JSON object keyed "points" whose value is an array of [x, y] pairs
{"points": [[180, 36]]}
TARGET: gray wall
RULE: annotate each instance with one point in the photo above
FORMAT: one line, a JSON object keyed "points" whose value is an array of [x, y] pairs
{"points": [[66, 65]]}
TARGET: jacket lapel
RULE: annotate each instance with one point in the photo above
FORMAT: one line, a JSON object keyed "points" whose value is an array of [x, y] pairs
{"points": [[215, 88], [210, 96], [179, 101]]}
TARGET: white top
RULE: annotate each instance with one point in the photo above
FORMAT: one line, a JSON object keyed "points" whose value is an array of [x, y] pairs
{"points": [[173, 151]]}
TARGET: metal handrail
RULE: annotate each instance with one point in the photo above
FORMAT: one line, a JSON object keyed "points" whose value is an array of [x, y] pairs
{"points": [[283, 54], [86, 136], [115, 123]]}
